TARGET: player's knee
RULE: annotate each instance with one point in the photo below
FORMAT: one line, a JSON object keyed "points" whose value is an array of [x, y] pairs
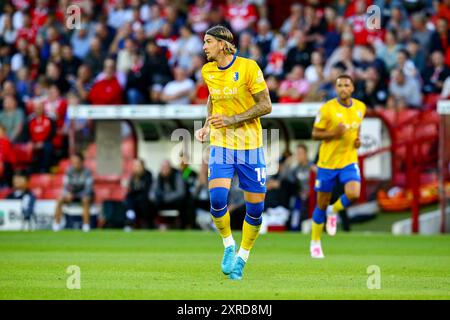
{"points": [[353, 195], [219, 200], [319, 215], [254, 212]]}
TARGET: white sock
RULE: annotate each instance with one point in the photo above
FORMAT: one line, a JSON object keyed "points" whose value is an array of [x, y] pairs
{"points": [[131, 215], [228, 241], [243, 254], [330, 210], [315, 243]]}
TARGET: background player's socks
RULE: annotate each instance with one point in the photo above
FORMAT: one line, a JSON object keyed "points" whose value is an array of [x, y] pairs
{"points": [[316, 231], [317, 224], [315, 249], [342, 203], [331, 221]]}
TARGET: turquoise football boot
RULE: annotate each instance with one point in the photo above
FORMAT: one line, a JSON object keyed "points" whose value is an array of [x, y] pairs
{"points": [[238, 269], [228, 259]]}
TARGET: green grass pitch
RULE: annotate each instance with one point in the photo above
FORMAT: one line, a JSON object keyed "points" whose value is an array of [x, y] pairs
{"points": [[186, 265]]}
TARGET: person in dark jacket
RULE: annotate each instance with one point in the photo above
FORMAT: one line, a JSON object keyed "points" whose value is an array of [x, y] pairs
{"points": [[190, 179], [139, 209], [169, 190], [78, 187], [21, 192]]}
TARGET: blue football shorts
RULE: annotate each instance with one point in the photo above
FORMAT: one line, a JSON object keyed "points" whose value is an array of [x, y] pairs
{"points": [[249, 165], [326, 178]]}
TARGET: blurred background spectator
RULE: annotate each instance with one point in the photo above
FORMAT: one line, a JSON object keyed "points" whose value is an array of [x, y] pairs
{"points": [[6, 159], [77, 188], [169, 191], [27, 200], [139, 210]]}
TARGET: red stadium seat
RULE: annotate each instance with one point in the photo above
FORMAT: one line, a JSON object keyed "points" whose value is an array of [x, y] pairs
{"points": [[91, 151], [43, 180], [118, 194], [107, 179], [52, 193], [4, 192], [38, 193], [127, 167], [23, 153], [91, 164], [63, 165], [57, 181], [101, 194], [128, 149]]}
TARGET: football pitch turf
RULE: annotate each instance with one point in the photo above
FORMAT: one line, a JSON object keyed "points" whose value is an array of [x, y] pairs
{"points": [[186, 265]]}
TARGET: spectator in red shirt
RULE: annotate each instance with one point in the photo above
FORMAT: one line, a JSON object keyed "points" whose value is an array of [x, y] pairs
{"points": [[200, 93], [6, 159], [295, 87], [28, 31], [56, 107], [39, 14], [198, 15], [241, 14], [358, 23], [107, 89], [42, 130]]}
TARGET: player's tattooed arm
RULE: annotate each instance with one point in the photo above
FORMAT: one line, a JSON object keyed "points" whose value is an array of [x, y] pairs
{"points": [[208, 111], [262, 106]]}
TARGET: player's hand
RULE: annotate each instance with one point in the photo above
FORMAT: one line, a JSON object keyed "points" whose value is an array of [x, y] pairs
{"points": [[220, 121], [202, 134], [357, 143], [340, 130]]}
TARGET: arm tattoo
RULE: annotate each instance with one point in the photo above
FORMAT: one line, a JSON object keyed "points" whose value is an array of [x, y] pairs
{"points": [[262, 107], [209, 106], [208, 110]]}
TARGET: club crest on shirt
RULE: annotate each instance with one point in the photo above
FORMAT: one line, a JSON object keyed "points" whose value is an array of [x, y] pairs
{"points": [[236, 76], [318, 117], [360, 114]]}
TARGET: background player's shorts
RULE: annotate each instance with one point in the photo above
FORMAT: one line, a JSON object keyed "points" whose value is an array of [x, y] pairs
{"points": [[249, 164], [327, 178]]}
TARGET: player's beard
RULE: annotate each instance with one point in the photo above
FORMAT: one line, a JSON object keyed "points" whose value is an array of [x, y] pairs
{"points": [[344, 96]]}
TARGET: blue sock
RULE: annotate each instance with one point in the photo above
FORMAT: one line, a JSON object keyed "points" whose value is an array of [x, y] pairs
{"points": [[319, 215], [344, 200]]}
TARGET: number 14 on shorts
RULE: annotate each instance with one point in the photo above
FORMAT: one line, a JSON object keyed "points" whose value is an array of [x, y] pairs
{"points": [[261, 175]]}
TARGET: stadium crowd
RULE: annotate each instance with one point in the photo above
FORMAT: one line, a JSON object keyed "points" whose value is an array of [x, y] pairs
{"points": [[150, 52]]}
